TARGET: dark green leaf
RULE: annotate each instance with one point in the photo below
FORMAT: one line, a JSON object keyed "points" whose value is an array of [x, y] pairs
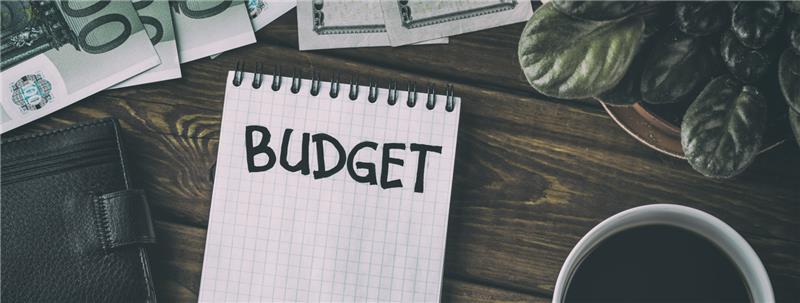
{"points": [[569, 58], [678, 65], [789, 78], [746, 64], [754, 23], [793, 30], [657, 16], [794, 120], [794, 6], [627, 91], [722, 130], [596, 10], [701, 18]]}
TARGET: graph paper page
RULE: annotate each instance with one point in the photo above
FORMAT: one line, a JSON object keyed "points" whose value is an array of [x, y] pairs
{"points": [[281, 235]]}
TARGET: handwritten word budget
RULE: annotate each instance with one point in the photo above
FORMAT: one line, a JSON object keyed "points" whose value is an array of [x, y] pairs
{"points": [[328, 193], [320, 140]]}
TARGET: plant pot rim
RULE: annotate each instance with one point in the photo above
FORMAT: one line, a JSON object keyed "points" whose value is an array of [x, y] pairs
{"points": [[653, 131]]}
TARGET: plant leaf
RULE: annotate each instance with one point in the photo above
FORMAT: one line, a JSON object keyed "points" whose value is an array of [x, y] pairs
{"points": [[789, 78], [627, 91], [677, 66], [794, 120], [793, 31], [569, 58], [596, 10], [701, 18], [754, 23], [794, 6], [722, 130], [746, 64], [657, 16]]}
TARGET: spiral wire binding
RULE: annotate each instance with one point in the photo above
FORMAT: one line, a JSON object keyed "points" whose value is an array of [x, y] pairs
{"points": [[372, 97], [354, 88], [238, 73], [412, 94], [258, 78], [296, 75], [276, 78], [431, 97], [315, 84], [373, 91], [392, 98], [334, 85]]}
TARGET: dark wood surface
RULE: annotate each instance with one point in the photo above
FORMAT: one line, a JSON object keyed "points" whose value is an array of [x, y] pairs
{"points": [[532, 174]]}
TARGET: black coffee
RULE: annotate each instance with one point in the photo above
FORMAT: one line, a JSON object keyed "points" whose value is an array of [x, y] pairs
{"points": [[657, 263]]}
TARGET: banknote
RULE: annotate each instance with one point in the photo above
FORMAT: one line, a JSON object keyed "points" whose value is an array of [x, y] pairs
{"points": [[207, 27], [157, 20], [409, 21], [341, 24], [262, 12], [55, 53]]}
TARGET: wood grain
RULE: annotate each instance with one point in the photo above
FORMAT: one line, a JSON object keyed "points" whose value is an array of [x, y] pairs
{"points": [[532, 174], [523, 196]]}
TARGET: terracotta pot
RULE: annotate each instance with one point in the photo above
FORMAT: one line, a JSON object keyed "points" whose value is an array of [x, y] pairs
{"points": [[658, 133]]}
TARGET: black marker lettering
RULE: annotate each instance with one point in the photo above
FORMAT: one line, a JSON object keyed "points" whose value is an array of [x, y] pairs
{"points": [[370, 167], [387, 159], [262, 147], [423, 152], [302, 165], [321, 172]]}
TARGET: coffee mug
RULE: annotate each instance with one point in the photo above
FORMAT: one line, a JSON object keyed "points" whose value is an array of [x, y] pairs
{"points": [[709, 227]]}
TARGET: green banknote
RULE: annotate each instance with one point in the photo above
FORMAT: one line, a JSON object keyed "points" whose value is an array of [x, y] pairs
{"points": [[207, 27], [55, 53], [262, 12], [157, 20]]}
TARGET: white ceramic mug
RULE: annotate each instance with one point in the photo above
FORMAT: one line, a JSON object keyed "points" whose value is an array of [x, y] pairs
{"points": [[707, 226]]}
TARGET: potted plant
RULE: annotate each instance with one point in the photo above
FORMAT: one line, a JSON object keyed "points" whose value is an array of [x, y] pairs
{"points": [[730, 69]]}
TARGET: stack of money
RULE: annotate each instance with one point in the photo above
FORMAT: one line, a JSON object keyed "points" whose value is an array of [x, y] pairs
{"points": [[55, 53], [324, 24]]}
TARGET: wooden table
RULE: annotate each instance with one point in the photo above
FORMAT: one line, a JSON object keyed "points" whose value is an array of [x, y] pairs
{"points": [[532, 174]]}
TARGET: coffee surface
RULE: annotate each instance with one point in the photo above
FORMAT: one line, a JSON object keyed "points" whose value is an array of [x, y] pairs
{"points": [[657, 263]]}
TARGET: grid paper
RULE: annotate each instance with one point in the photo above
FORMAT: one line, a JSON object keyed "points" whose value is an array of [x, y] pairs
{"points": [[278, 236]]}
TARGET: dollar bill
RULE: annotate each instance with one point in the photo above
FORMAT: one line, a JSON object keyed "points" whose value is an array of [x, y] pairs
{"points": [[157, 20], [409, 21], [207, 27], [342, 24], [58, 52]]}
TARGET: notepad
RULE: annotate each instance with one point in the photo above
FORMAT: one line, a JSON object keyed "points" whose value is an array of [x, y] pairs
{"points": [[319, 198]]}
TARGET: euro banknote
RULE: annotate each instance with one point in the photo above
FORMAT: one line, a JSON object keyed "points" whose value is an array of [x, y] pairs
{"points": [[207, 27], [55, 53], [157, 21]]}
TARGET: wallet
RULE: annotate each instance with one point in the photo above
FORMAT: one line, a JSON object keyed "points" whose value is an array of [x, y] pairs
{"points": [[74, 229]]}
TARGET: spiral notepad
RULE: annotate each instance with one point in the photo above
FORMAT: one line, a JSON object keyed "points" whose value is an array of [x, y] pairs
{"points": [[329, 191]]}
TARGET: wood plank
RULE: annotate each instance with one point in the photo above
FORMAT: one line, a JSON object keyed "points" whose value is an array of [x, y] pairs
{"points": [[522, 197], [460, 291], [177, 261]]}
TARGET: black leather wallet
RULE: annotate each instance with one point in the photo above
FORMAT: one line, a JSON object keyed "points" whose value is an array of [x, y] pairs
{"points": [[73, 227]]}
